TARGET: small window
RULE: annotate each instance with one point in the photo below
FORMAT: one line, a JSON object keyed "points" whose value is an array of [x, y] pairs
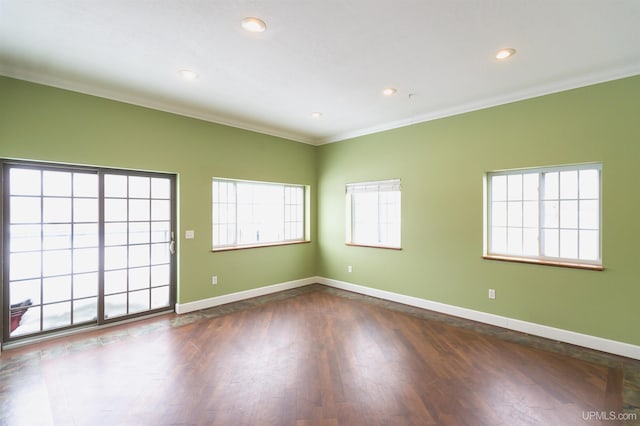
{"points": [[247, 214], [373, 213], [546, 214]]}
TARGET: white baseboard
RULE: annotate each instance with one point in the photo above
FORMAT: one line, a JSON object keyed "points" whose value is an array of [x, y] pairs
{"points": [[183, 308], [585, 340]]}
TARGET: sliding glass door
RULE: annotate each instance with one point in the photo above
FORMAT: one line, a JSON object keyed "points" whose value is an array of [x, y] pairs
{"points": [[84, 246]]}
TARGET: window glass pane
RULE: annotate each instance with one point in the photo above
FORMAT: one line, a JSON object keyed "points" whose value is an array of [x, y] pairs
{"points": [[530, 241], [160, 275], [139, 187], [551, 242], [139, 232], [24, 265], [530, 186], [139, 210], [589, 184], [499, 240], [25, 182], [85, 235], [138, 278], [589, 245], [24, 237], [514, 187], [115, 281], [160, 253], [569, 184], [85, 310], [56, 210], [159, 297], [589, 214], [56, 315], [139, 255], [115, 210], [514, 241], [115, 305], [56, 289], [115, 186], [56, 262], [160, 188], [551, 211], [568, 244], [25, 210], [85, 185], [85, 260], [568, 214], [85, 210], [85, 285], [530, 214], [498, 188], [115, 233], [56, 236], [514, 213], [115, 257], [22, 291], [56, 183], [139, 301], [160, 210], [551, 186], [160, 232]]}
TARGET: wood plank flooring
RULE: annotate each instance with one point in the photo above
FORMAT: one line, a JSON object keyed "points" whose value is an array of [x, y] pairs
{"points": [[312, 357]]}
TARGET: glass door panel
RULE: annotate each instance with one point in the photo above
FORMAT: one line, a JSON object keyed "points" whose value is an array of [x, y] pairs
{"points": [[53, 250], [85, 246], [138, 244]]}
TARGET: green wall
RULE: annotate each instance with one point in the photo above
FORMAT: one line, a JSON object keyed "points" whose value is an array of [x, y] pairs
{"points": [[48, 124], [442, 163]]}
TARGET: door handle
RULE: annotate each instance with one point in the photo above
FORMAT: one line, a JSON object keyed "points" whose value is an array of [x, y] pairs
{"points": [[172, 244]]}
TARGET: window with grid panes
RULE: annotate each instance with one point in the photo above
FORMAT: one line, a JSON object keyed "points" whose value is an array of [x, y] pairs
{"points": [[550, 213], [248, 213], [374, 210]]}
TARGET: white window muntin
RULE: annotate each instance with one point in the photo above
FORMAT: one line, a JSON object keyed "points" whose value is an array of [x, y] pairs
{"points": [[374, 213], [250, 213], [544, 225]]}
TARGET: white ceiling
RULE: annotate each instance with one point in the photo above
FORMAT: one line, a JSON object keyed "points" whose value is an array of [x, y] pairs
{"points": [[332, 56]]}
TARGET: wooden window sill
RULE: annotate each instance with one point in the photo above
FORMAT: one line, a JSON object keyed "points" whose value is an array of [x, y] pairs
{"points": [[372, 246], [545, 262], [252, 246]]}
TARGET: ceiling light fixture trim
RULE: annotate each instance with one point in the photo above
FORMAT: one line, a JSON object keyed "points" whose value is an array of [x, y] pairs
{"points": [[389, 91], [505, 53], [253, 24]]}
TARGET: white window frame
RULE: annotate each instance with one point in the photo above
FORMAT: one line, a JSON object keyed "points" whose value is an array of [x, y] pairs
{"points": [[294, 228], [381, 238], [543, 254]]}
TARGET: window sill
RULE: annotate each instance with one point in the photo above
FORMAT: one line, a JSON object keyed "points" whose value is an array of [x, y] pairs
{"points": [[545, 262], [373, 246], [252, 246]]}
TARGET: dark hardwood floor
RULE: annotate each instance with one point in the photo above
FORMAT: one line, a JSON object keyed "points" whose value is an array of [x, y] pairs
{"points": [[312, 356]]}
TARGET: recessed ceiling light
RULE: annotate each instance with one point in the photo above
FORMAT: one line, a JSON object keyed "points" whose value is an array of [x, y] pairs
{"points": [[389, 91], [505, 53], [253, 25], [188, 74], [316, 114]]}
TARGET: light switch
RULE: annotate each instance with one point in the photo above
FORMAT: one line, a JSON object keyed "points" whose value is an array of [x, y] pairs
{"points": [[190, 234]]}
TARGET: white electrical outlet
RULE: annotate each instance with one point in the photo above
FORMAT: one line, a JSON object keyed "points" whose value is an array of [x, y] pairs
{"points": [[349, 268], [189, 234], [214, 280], [492, 293]]}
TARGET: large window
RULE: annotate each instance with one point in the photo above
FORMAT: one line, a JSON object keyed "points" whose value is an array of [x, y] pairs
{"points": [[373, 213], [546, 214], [247, 213]]}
